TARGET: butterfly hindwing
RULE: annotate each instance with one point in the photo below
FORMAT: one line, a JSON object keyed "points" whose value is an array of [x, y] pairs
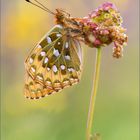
{"points": [[55, 63]]}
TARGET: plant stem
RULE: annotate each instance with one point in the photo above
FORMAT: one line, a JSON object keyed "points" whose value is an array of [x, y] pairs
{"points": [[93, 94]]}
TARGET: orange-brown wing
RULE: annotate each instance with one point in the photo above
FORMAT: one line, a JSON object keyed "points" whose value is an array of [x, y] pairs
{"points": [[55, 63]]}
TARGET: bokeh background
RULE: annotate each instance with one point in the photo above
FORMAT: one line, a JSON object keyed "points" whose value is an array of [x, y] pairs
{"points": [[63, 116]]}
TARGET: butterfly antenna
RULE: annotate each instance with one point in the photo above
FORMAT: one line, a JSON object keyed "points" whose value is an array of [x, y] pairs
{"points": [[41, 6]]}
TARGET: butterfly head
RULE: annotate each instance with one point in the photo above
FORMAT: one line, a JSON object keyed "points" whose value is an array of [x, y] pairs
{"points": [[61, 15]]}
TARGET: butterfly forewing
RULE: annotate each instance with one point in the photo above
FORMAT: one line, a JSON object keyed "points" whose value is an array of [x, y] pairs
{"points": [[55, 63]]}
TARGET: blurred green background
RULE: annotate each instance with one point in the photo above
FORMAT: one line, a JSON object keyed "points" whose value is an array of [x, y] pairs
{"points": [[63, 116]]}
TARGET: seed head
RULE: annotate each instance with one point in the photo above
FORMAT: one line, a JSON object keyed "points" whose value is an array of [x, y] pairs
{"points": [[105, 24]]}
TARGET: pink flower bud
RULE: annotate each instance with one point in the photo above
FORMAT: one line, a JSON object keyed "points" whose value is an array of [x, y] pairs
{"points": [[97, 42], [106, 6], [105, 32]]}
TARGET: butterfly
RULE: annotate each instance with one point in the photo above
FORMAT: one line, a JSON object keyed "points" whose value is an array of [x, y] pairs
{"points": [[56, 61]]}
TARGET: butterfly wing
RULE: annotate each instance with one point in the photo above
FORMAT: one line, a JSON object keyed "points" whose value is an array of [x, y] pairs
{"points": [[54, 63]]}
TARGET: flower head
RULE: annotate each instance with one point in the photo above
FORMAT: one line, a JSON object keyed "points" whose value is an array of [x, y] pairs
{"points": [[105, 25]]}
